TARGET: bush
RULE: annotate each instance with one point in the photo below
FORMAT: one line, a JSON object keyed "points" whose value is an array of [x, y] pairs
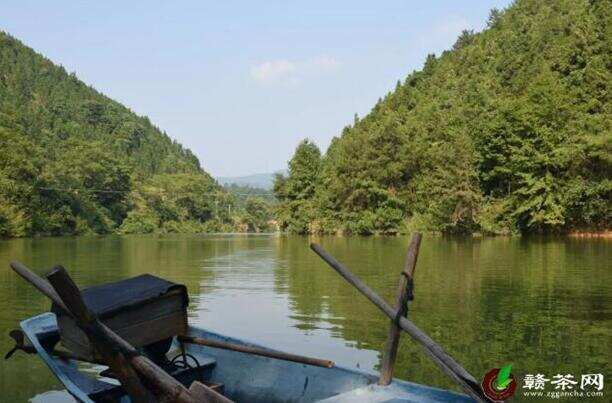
{"points": [[139, 222], [13, 222]]}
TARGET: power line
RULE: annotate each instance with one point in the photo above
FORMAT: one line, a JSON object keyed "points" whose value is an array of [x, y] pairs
{"points": [[89, 190], [75, 190]]}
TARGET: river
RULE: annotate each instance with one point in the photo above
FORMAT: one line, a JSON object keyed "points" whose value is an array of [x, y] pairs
{"points": [[542, 304]]}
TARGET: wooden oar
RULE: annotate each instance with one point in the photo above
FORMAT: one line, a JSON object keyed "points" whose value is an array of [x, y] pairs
{"points": [[70, 295], [170, 388], [446, 363], [257, 351], [40, 284], [404, 294], [124, 372]]}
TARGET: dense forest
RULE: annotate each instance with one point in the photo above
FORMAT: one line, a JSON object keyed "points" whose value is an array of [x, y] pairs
{"points": [[507, 132], [76, 162]]}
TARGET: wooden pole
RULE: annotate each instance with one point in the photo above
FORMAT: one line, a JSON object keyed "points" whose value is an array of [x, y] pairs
{"points": [[168, 386], [70, 295], [40, 284], [85, 316], [404, 294], [257, 351], [440, 357]]}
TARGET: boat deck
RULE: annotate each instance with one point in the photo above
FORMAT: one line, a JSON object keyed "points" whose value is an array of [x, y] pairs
{"points": [[245, 377]]}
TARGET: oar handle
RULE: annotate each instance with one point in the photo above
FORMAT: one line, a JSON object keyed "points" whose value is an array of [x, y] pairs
{"points": [[109, 340], [39, 283], [256, 351], [435, 352]]}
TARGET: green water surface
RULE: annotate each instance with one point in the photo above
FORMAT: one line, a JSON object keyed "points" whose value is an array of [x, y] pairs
{"points": [[544, 305]]}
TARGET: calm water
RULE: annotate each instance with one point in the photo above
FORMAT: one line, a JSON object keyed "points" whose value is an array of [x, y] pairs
{"points": [[544, 305]]}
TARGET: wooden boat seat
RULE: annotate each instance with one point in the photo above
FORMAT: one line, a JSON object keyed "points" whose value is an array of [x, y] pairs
{"points": [[207, 363], [187, 376]]}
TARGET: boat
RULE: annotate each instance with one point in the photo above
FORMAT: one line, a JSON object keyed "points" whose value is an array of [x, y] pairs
{"points": [[244, 377], [100, 343]]}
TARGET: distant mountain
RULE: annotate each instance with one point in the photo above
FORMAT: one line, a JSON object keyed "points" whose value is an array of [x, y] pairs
{"points": [[262, 181]]}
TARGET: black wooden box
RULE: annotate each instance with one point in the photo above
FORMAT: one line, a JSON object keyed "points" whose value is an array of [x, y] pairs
{"points": [[142, 310]]}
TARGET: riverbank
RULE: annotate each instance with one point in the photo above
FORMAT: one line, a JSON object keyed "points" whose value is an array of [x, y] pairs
{"points": [[606, 234], [596, 234]]}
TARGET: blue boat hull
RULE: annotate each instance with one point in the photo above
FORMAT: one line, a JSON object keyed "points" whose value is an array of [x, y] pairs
{"points": [[246, 377]]}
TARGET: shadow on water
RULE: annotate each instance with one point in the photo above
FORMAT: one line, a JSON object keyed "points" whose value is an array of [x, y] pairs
{"points": [[542, 304]]}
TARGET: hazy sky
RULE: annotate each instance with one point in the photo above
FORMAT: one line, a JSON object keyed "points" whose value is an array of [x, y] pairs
{"points": [[242, 82]]}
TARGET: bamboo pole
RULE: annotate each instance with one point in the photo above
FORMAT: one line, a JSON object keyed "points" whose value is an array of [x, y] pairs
{"points": [[70, 295], [440, 357], [40, 284], [170, 388], [257, 351], [404, 294]]}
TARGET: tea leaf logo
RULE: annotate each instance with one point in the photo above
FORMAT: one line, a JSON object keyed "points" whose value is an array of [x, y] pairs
{"points": [[503, 377], [499, 384]]}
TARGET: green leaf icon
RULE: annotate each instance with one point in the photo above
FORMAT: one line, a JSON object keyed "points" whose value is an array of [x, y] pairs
{"points": [[503, 377]]}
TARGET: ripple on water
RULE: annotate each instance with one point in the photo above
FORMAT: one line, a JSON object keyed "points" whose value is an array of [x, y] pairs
{"points": [[542, 304]]}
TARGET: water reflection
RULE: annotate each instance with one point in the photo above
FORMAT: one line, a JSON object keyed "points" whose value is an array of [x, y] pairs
{"points": [[542, 304]]}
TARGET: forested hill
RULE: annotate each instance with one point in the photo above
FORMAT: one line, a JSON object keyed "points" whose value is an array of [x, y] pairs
{"points": [[508, 131], [43, 102], [74, 161]]}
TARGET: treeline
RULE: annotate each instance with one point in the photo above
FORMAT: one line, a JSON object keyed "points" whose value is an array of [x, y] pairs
{"points": [[76, 162], [507, 132], [256, 207]]}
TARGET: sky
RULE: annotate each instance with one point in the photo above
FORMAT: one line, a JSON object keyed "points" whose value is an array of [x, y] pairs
{"points": [[241, 83]]}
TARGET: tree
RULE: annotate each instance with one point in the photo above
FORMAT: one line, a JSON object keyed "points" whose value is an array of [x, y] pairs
{"points": [[296, 192], [257, 214]]}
